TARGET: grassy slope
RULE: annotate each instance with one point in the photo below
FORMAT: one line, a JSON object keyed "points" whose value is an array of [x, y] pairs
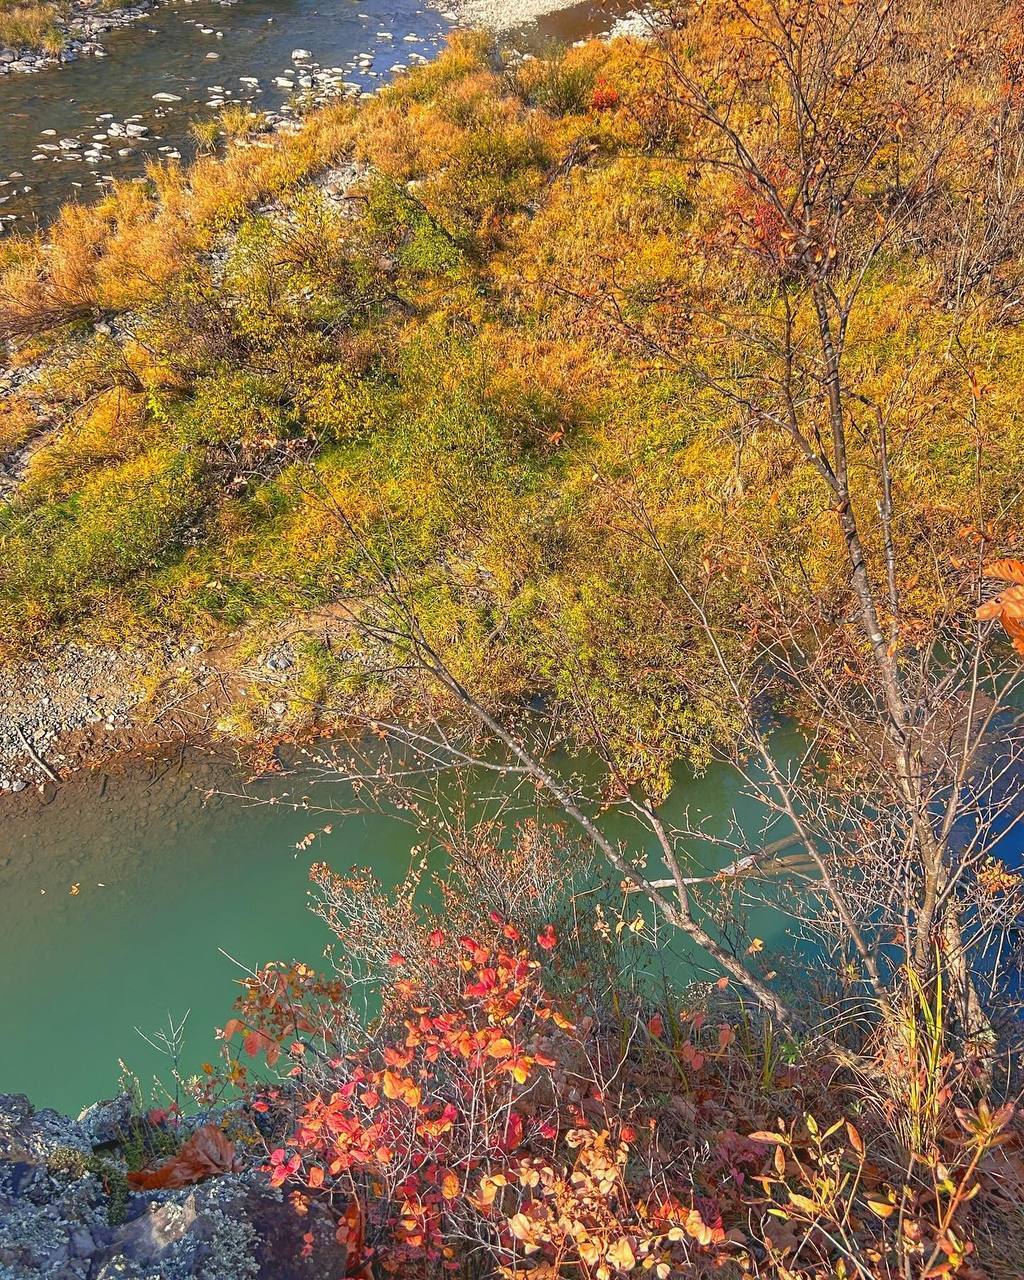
{"points": [[473, 359]]}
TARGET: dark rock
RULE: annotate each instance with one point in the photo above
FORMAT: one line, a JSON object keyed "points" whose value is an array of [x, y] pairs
{"points": [[231, 1228], [156, 1229], [82, 1243], [15, 1109], [106, 1122], [26, 1134]]}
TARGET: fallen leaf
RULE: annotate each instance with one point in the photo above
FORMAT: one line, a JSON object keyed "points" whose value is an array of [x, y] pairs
{"points": [[206, 1154]]}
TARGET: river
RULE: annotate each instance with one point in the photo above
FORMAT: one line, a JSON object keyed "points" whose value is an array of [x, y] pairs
{"points": [[52, 118], [122, 893]]}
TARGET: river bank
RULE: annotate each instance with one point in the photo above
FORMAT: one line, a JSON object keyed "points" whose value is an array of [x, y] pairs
{"points": [[83, 704], [75, 127], [73, 33], [89, 705]]}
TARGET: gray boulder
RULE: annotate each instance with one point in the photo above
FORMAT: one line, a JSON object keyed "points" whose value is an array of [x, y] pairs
{"points": [[67, 1213], [106, 1122]]}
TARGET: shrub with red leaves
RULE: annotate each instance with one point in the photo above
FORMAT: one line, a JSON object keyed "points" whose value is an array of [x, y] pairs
{"points": [[605, 97]]}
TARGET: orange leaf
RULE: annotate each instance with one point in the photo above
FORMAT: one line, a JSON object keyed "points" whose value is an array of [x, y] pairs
{"points": [[396, 1086], [1009, 602], [1015, 630], [207, 1153], [1007, 570], [392, 1083]]}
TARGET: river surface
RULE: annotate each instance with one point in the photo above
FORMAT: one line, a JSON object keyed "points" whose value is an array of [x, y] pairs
{"points": [[207, 54], [123, 896]]}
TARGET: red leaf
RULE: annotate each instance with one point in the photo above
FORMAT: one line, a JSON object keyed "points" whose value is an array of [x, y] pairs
{"points": [[547, 938]]}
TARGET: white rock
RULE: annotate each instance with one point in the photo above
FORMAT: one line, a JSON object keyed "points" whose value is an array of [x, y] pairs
{"points": [[166, 97], [299, 55]]}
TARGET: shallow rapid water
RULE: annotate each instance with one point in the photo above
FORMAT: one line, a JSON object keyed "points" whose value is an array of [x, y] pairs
{"points": [[170, 878], [168, 52]]}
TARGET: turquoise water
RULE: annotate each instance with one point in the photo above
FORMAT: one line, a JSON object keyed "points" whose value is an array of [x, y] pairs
{"points": [[172, 881]]}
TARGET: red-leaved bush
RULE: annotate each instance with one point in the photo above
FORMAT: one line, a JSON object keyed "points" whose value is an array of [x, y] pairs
{"points": [[517, 1105], [480, 1122]]}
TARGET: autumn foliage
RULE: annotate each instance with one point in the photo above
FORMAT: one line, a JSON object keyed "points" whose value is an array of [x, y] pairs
{"points": [[499, 1113], [662, 389], [1008, 605]]}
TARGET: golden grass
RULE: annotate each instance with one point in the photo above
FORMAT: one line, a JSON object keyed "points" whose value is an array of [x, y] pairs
{"points": [[30, 26]]}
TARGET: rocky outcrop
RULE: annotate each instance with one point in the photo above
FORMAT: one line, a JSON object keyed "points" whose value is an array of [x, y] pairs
{"points": [[66, 1212]]}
